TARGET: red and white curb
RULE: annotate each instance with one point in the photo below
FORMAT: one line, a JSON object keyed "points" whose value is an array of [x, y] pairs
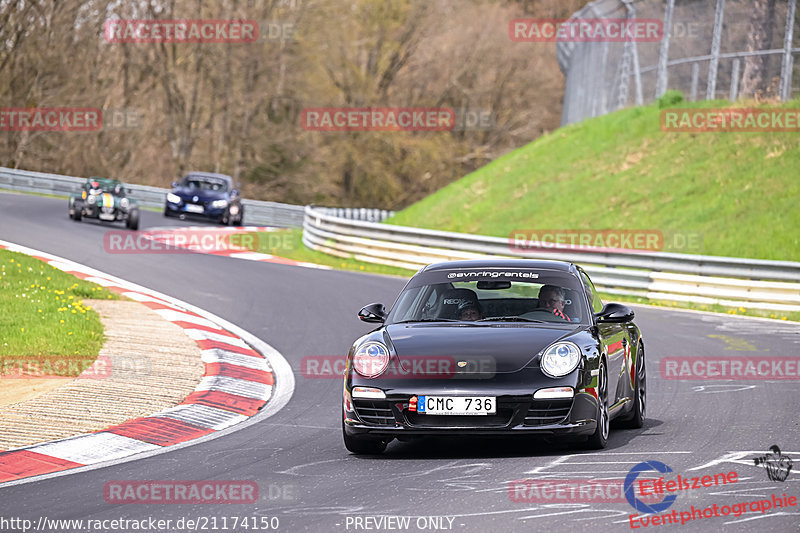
{"points": [[189, 238], [245, 380]]}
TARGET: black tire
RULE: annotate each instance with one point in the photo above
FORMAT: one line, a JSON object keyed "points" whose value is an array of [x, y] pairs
{"points": [[132, 222], [636, 418], [363, 445], [167, 213], [599, 439], [77, 210]]}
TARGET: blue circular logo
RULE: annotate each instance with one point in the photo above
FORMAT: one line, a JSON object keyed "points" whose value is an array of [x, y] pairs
{"points": [[638, 504]]}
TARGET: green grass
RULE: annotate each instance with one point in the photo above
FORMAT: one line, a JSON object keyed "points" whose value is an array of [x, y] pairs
{"points": [[289, 244], [41, 313], [737, 191]]}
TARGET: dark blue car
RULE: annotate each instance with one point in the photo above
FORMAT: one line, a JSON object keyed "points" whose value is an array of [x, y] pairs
{"points": [[206, 195]]}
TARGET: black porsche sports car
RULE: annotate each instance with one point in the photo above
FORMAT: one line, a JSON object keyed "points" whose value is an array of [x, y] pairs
{"points": [[494, 347], [205, 195]]}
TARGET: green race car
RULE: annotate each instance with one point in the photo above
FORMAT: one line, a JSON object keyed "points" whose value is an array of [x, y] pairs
{"points": [[104, 199]]}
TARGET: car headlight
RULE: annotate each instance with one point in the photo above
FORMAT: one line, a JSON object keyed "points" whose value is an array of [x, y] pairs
{"points": [[173, 198], [560, 359], [219, 203], [124, 203], [371, 359], [92, 199]]}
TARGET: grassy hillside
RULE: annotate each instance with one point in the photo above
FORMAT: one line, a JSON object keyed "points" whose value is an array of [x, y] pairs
{"points": [[739, 191]]}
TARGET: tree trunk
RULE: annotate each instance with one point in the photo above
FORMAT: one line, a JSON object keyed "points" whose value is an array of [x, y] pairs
{"points": [[754, 79]]}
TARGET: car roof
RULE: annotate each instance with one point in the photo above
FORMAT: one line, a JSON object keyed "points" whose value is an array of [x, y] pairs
{"points": [[224, 177], [501, 263]]}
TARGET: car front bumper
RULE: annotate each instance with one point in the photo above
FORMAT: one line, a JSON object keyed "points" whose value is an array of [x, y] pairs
{"points": [[208, 212], [515, 414]]}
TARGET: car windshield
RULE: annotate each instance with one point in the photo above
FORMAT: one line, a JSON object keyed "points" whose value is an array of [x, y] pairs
{"points": [[205, 184], [487, 295]]}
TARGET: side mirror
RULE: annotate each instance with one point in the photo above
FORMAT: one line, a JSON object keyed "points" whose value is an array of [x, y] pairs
{"points": [[373, 313], [613, 313], [235, 192], [174, 184]]}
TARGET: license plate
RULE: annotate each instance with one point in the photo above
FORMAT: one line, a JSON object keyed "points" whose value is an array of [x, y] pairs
{"points": [[457, 405], [106, 216], [192, 208]]}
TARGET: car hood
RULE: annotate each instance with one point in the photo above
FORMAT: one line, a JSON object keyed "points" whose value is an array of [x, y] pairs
{"points": [[505, 347], [202, 196]]}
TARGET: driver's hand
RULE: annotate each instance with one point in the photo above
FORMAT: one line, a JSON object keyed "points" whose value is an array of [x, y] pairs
{"points": [[561, 315]]}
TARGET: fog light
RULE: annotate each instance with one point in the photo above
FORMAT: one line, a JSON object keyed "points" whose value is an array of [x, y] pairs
{"points": [[368, 392], [554, 393]]}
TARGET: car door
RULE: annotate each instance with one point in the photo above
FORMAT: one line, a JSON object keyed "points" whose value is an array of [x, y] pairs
{"points": [[615, 342]]}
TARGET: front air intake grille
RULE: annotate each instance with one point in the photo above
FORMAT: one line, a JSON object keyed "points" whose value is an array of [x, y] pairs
{"points": [[374, 412], [546, 412]]}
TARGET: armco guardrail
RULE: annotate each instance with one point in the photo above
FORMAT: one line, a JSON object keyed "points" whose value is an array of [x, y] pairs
{"points": [[701, 279], [256, 212]]}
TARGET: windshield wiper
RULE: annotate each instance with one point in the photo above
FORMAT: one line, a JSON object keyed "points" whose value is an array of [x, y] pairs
{"points": [[511, 319], [428, 320]]}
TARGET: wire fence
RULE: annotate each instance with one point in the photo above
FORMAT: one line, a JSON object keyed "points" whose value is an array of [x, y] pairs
{"points": [[710, 49]]}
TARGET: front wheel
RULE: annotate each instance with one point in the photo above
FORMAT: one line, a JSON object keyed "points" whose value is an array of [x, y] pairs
{"points": [[132, 222], [637, 416], [599, 439], [363, 445]]}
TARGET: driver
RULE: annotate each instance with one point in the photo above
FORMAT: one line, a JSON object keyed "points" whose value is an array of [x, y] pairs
{"points": [[553, 298], [469, 310]]}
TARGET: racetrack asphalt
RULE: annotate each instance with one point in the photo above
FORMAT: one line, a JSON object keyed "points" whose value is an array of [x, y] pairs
{"points": [[311, 483]]}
